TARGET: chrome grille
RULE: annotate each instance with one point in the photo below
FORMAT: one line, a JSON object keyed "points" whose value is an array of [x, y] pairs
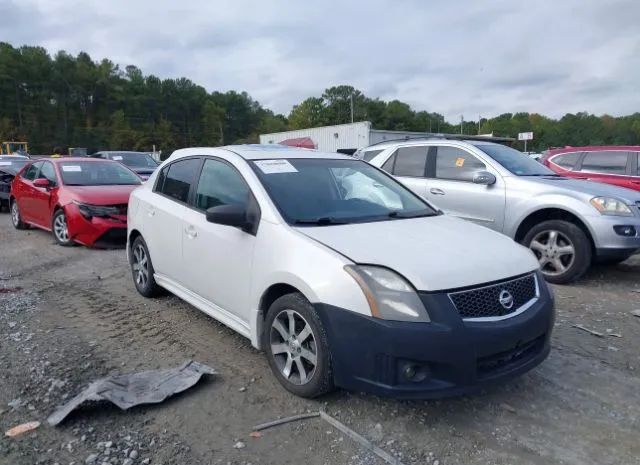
{"points": [[484, 302]]}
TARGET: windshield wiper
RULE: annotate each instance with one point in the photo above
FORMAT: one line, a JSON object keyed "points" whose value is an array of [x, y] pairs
{"points": [[397, 214], [323, 221]]}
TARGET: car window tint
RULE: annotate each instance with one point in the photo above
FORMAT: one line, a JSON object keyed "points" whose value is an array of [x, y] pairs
{"points": [[368, 156], [411, 161], [608, 162], [388, 165], [567, 160], [178, 178], [456, 164], [220, 184], [30, 173], [48, 172]]}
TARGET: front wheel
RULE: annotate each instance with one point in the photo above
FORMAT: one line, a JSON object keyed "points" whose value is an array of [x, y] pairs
{"points": [[297, 347], [60, 229], [562, 248]]}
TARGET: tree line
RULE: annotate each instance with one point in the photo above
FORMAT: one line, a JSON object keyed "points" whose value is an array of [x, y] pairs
{"points": [[64, 100]]}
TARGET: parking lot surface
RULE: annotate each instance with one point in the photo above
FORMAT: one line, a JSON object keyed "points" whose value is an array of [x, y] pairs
{"points": [[71, 315]]}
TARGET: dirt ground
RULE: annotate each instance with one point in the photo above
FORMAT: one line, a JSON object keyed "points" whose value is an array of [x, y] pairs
{"points": [[71, 315]]}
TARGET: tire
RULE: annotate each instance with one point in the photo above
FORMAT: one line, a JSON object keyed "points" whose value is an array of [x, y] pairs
{"points": [[558, 264], [16, 217], [60, 229], [142, 269], [295, 353]]}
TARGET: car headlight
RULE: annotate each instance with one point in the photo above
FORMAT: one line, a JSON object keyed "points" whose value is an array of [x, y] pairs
{"points": [[389, 295], [611, 206], [100, 211]]}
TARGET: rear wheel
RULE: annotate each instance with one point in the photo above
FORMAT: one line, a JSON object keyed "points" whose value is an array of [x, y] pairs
{"points": [[562, 248], [297, 347], [60, 228], [16, 218], [142, 269]]}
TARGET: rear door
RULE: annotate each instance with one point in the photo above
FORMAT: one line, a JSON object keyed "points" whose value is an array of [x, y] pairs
{"points": [[450, 186], [409, 166], [164, 214], [608, 166], [28, 192]]}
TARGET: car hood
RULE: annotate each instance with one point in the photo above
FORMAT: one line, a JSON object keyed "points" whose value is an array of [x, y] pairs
{"points": [[433, 253], [100, 195], [590, 188]]}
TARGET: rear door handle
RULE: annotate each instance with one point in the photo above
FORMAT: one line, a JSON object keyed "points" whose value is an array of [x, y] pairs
{"points": [[436, 191], [191, 232]]}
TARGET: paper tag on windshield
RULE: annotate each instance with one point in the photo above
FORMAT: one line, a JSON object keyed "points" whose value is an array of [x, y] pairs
{"points": [[275, 166], [116, 158], [5, 163], [71, 168]]}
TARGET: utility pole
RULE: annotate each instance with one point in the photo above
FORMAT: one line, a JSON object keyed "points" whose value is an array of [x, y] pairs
{"points": [[351, 106], [461, 122], [479, 119]]}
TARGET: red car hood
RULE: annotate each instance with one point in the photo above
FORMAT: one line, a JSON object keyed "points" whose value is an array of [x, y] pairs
{"points": [[100, 195]]}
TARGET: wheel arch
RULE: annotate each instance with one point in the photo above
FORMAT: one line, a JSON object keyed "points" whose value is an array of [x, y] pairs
{"points": [[554, 213]]}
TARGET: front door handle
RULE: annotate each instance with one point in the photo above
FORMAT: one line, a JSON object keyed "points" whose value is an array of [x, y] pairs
{"points": [[436, 191], [191, 232]]}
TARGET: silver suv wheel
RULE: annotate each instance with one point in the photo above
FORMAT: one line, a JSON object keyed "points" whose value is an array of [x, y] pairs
{"points": [[555, 251]]}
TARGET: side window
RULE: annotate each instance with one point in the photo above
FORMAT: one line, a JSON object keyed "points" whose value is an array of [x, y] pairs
{"points": [[175, 180], [566, 160], [610, 162], [411, 161], [638, 163], [368, 156], [388, 165], [48, 172], [457, 164], [31, 172], [220, 184]]}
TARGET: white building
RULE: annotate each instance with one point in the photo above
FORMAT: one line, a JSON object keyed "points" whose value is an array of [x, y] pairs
{"points": [[342, 137]]}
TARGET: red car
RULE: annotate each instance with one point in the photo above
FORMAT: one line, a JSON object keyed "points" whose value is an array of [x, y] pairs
{"points": [[612, 164], [80, 200]]}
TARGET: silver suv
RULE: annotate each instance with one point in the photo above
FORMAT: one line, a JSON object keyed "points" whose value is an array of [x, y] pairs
{"points": [[567, 223]]}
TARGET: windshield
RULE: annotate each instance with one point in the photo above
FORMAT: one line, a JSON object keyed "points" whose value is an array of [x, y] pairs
{"points": [[137, 159], [325, 191], [12, 165], [514, 161], [96, 173]]}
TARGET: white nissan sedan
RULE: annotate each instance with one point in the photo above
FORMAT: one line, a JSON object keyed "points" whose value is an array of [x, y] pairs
{"points": [[338, 272]]}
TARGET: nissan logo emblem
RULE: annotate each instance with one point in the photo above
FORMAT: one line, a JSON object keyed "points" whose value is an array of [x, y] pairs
{"points": [[506, 299]]}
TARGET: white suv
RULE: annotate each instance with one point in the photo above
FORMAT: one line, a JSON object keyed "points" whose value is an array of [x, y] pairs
{"points": [[341, 274]]}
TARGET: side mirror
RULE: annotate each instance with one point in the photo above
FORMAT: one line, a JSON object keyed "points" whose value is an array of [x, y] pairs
{"points": [[484, 177], [234, 215], [43, 183]]}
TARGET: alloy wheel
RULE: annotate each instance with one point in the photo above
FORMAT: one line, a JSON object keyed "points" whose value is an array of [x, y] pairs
{"points": [[140, 266], [293, 346], [60, 228], [554, 250], [15, 213]]}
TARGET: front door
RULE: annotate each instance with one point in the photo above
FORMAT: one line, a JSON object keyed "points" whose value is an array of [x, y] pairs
{"points": [[450, 186], [41, 200], [218, 259], [28, 192]]}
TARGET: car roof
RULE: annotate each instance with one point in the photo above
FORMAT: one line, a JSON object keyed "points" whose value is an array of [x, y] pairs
{"points": [[121, 151], [260, 152], [593, 148], [77, 159], [426, 140]]}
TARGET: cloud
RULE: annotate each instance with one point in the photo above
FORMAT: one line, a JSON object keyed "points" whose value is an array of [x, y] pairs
{"points": [[454, 58]]}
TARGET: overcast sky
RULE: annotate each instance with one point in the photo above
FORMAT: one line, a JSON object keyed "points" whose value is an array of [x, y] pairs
{"points": [[453, 57]]}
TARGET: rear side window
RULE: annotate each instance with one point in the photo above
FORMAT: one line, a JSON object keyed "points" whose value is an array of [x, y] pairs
{"points": [[638, 164], [220, 184], [411, 162], [567, 160], [368, 156], [175, 179], [31, 172], [607, 162], [456, 164], [388, 165]]}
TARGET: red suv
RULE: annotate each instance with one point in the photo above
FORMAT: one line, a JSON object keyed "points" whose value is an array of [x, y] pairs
{"points": [[613, 164]]}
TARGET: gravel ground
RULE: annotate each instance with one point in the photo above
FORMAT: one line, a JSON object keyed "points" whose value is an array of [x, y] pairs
{"points": [[71, 315]]}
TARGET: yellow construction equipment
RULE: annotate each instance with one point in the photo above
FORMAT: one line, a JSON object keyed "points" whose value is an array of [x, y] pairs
{"points": [[77, 152], [11, 147]]}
